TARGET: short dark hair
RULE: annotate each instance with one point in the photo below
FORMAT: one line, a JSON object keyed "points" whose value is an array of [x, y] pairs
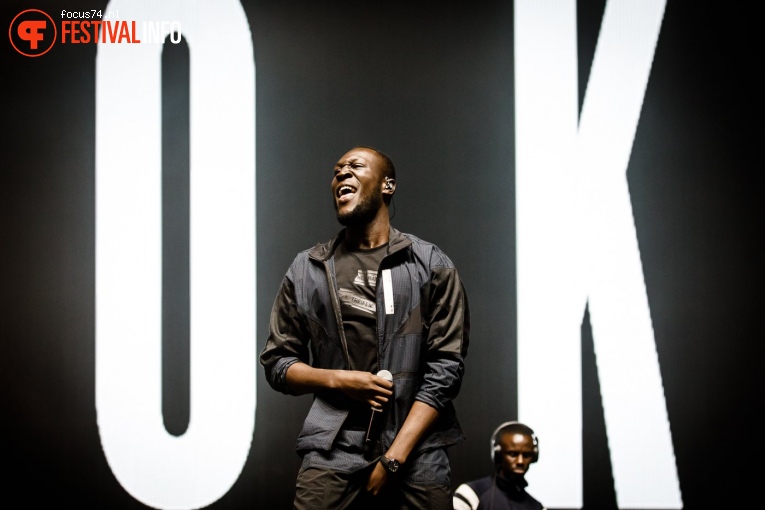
{"points": [[389, 170]]}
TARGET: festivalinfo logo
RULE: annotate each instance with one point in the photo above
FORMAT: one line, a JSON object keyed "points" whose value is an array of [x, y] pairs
{"points": [[34, 32]]}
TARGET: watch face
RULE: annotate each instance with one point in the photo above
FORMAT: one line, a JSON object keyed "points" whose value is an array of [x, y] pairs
{"points": [[392, 465]]}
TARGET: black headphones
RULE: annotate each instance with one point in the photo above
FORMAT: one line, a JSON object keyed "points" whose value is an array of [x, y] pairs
{"points": [[388, 183], [512, 426]]}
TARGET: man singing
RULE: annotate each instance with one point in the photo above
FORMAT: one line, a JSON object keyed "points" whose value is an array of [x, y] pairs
{"points": [[375, 324]]}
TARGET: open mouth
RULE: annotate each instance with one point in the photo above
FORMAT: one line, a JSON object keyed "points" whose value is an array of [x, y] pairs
{"points": [[345, 193]]}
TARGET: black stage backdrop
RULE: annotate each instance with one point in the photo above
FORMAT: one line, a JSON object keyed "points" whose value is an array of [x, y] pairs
{"points": [[431, 83]]}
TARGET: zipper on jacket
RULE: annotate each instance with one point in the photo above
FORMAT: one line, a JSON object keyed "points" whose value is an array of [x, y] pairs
{"points": [[338, 316], [380, 315], [380, 300], [381, 329]]}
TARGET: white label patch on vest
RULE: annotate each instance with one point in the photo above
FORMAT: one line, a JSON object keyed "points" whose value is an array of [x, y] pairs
{"points": [[388, 291]]}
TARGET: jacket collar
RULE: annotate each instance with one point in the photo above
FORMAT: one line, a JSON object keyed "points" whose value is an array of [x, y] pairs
{"points": [[322, 252], [516, 484]]}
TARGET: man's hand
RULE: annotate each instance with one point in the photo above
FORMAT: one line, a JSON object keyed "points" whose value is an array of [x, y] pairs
{"points": [[417, 422], [364, 387], [377, 479]]}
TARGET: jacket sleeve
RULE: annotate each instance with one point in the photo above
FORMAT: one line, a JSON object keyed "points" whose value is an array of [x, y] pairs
{"points": [[446, 319], [287, 341], [465, 498]]}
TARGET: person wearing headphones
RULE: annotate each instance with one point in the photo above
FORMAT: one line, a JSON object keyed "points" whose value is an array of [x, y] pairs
{"points": [[514, 447]]}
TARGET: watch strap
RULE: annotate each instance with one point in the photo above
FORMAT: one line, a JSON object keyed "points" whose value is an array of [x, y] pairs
{"points": [[391, 465]]}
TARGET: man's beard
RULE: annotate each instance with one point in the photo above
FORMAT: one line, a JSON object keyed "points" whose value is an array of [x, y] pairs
{"points": [[364, 212]]}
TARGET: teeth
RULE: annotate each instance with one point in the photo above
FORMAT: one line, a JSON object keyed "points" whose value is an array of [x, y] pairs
{"points": [[342, 190]]}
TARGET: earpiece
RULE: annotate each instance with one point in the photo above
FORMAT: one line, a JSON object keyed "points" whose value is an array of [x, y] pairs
{"points": [[511, 426], [388, 184]]}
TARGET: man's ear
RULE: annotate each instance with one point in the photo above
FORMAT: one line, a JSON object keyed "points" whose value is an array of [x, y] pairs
{"points": [[389, 186]]}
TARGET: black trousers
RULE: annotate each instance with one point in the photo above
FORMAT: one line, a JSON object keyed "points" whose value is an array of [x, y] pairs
{"points": [[322, 489]]}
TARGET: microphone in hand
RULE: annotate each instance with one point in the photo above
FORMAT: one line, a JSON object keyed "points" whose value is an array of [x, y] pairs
{"points": [[384, 374]]}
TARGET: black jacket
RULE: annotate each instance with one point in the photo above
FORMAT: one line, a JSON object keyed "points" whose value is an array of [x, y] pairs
{"points": [[495, 493], [423, 343]]}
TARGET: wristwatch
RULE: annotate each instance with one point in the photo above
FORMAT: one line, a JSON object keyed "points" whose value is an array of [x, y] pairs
{"points": [[391, 465]]}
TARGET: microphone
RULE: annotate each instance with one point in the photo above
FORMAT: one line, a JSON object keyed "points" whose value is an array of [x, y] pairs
{"points": [[388, 377]]}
